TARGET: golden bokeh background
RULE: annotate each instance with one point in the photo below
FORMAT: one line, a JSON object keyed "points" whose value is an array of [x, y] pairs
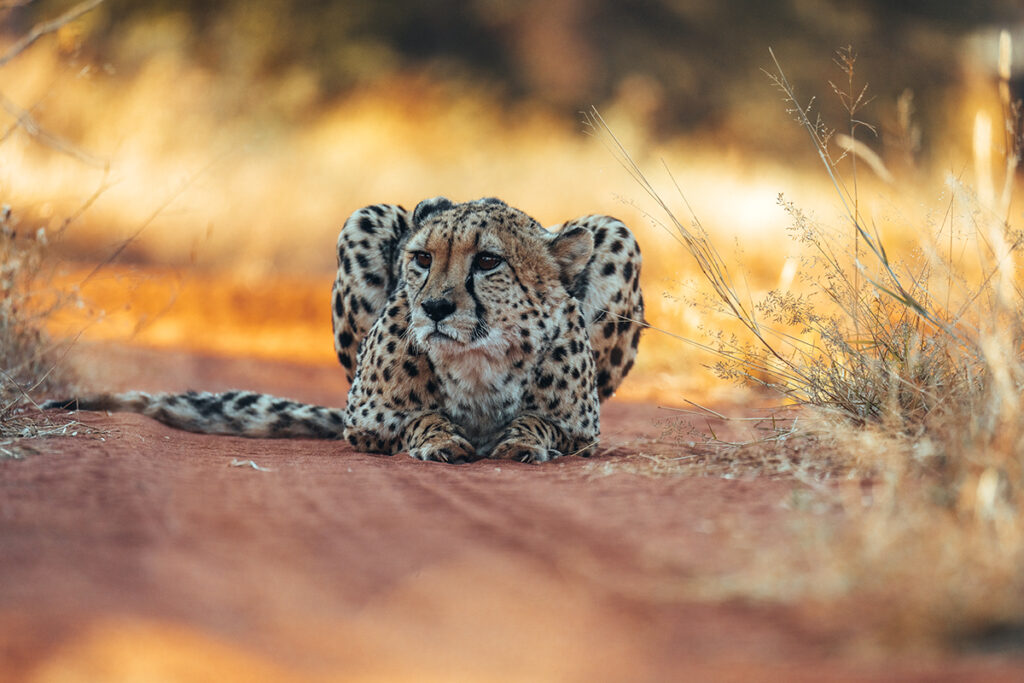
{"points": [[216, 148]]}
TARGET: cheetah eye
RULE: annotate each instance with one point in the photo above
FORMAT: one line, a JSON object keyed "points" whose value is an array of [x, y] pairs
{"points": [[487, 261], [422, 258]]}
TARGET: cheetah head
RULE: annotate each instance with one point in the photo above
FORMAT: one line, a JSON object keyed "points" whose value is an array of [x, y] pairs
{"points": [[485, 279]]}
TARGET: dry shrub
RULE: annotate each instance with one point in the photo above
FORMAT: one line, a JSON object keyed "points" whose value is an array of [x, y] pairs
{"points": [[907, 365], [29, 359]]}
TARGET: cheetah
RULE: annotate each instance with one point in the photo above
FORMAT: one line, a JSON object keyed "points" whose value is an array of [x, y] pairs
{"points": [[466, 331]]}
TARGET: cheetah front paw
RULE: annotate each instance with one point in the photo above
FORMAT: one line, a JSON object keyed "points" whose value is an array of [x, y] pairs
{"points": [[454, 449], [524, 452]]}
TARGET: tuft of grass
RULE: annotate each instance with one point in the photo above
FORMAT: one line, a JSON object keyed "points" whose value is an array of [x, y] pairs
{"points": [[29, 359], [908, 365]]}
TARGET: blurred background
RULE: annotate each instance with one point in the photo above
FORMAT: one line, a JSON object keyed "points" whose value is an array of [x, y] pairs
{"points": [[209, 152]]}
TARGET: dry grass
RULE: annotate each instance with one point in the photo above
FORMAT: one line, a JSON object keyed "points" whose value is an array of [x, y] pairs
{"points": [[909, 370], [29, 359]]}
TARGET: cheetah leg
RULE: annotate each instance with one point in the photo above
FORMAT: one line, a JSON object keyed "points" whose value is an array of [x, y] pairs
{"points": [[432, 436], [530, 438], [368, 441], [369, 247], [613, 305]]}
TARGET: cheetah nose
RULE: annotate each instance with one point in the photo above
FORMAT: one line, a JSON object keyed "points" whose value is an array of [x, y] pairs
{"points": [[438, 309]]}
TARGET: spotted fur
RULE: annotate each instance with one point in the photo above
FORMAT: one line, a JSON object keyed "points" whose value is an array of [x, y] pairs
{"points": [[241, 413], [465, 330]]}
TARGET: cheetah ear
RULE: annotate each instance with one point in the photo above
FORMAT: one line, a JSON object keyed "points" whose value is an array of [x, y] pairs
{"points": [[429, 206], [572, 250]]}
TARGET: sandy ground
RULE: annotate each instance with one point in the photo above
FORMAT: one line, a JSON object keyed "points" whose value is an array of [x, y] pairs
{"points": [[140, 553]]}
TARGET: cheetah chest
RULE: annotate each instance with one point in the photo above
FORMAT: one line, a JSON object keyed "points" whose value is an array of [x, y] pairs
{"points": [[481, 396]]}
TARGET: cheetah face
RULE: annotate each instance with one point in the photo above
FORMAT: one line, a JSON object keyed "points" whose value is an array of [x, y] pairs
{"points": [[480, 275]]}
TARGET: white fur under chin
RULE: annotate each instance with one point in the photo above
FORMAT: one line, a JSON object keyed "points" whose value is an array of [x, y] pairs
{"points": [[477, 367], [474, 377]]}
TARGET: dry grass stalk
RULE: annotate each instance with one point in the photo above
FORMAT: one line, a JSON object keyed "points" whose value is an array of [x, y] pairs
{"points": [[44, 28]]}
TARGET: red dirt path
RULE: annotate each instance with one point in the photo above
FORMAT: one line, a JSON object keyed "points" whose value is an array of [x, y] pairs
{"points": [[144, 554]]}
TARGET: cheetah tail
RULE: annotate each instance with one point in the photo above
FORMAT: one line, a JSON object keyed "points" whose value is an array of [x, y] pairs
{"points": [[237, 413]]}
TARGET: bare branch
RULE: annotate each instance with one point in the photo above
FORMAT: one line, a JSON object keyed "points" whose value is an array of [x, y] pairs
{"points": [[40, 30], [29, 124]]}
